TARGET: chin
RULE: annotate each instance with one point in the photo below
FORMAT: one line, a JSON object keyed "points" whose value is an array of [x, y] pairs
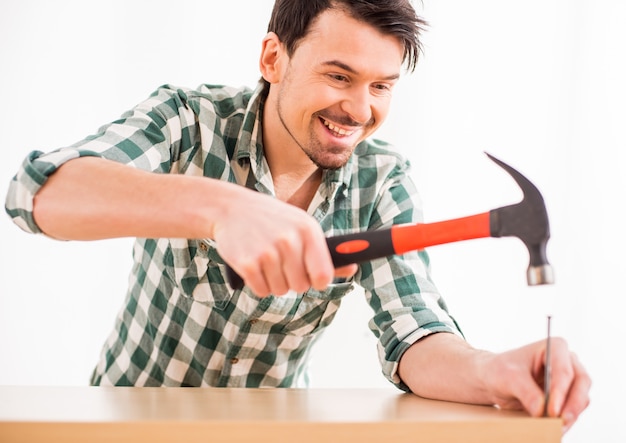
{"points": [[333, 163]]}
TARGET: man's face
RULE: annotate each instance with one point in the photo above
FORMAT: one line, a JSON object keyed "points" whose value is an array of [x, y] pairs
{"points": [[336, 88]]}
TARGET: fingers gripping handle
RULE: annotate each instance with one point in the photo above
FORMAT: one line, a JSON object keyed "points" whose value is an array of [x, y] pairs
{"points": [[344, 250]]}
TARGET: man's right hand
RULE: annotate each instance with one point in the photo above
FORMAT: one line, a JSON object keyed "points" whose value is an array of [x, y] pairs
{"points": [[275, 247]]}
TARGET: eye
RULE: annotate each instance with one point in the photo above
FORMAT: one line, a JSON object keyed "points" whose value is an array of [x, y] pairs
{"points": [[382, 88], [338, 78]]}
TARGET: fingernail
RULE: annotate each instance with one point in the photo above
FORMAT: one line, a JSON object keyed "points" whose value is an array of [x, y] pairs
{"points": [[568, 421], [539, 406], [557, 405]]}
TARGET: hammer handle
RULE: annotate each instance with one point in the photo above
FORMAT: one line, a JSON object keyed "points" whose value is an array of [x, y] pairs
{"points": [[419, 236], [369, 245]]}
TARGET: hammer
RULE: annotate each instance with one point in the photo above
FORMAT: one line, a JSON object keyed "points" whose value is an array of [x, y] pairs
{"points": [[526, 220]]}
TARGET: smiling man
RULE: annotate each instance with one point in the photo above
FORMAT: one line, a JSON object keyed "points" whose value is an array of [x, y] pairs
{"points": [[257, 179]]}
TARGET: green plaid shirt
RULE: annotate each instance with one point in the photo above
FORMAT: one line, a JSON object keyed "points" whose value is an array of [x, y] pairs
{"points": [[181, 324]]}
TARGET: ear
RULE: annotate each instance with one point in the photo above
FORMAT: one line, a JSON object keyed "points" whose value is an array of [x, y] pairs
{"points": [[272, 58]]}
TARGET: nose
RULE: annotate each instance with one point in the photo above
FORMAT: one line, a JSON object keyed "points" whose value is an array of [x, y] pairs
{"points": [[357, 104]]}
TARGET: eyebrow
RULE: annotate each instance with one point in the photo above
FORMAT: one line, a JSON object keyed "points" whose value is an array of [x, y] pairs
{"points": [[351, 70]]}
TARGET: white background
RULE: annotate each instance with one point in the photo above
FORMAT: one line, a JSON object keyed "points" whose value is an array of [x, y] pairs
{"points": [[538, 84]]}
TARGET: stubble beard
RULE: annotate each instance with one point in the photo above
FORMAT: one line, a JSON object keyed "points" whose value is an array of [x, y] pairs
{"points": [[325, 157]]}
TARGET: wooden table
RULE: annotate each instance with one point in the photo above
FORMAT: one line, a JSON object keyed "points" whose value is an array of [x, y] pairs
{"points": [[187, 415]]}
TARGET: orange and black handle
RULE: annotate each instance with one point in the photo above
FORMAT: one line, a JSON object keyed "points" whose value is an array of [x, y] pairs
{"points": [[399, 239]]}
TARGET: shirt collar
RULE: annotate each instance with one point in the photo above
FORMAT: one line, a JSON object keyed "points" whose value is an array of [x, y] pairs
{"points": [[250, 139]]}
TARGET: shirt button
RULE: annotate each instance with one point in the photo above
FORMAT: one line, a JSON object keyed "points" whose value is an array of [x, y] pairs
{"points": [[234, 361], [254, 321], [203, 246]]}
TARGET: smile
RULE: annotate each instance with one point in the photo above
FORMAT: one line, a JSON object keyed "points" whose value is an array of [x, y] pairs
{"points": [[337, 131]]}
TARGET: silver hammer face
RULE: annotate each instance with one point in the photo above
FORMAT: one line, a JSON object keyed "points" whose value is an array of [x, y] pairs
{"points": [[528, 221]]}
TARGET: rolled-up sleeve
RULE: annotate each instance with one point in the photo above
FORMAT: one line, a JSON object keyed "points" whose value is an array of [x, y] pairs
{"points": [[34, 172], [406, 303], [147, 137], [407, 306]]}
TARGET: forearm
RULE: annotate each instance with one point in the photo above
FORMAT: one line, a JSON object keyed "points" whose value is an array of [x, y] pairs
{"points": [[444, 367], [91, 198]]}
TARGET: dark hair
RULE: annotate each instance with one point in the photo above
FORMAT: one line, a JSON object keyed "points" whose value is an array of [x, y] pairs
{"points": [[291, 20]]}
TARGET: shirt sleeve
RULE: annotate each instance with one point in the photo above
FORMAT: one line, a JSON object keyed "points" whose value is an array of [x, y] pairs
{"points": [[147, 137], [407, 305]]}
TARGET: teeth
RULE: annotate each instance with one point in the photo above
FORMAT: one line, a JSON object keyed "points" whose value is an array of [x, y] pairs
{"points": [[336, 129]]}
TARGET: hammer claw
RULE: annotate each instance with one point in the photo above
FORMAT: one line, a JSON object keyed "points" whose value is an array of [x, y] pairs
{"points": [[527, 220]]}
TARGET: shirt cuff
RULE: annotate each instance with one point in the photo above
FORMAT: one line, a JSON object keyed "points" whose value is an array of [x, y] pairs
{"points": [[33, 174]]}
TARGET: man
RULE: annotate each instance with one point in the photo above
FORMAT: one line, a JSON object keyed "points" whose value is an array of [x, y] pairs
{"points": [[257, 179]]}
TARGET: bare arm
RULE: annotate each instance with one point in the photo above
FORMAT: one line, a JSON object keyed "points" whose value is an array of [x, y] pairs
{"points": [[443, 366], [272, 245], [92, 198]]}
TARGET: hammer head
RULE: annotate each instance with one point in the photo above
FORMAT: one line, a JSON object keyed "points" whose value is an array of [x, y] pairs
{"points": [[527, 220]]}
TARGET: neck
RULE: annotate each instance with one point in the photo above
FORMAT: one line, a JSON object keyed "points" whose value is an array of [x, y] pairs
{"points": [[297, 190], [296, 178]]}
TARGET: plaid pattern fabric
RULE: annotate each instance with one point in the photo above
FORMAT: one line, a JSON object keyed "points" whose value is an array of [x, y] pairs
{"points": [[181, 324]]}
